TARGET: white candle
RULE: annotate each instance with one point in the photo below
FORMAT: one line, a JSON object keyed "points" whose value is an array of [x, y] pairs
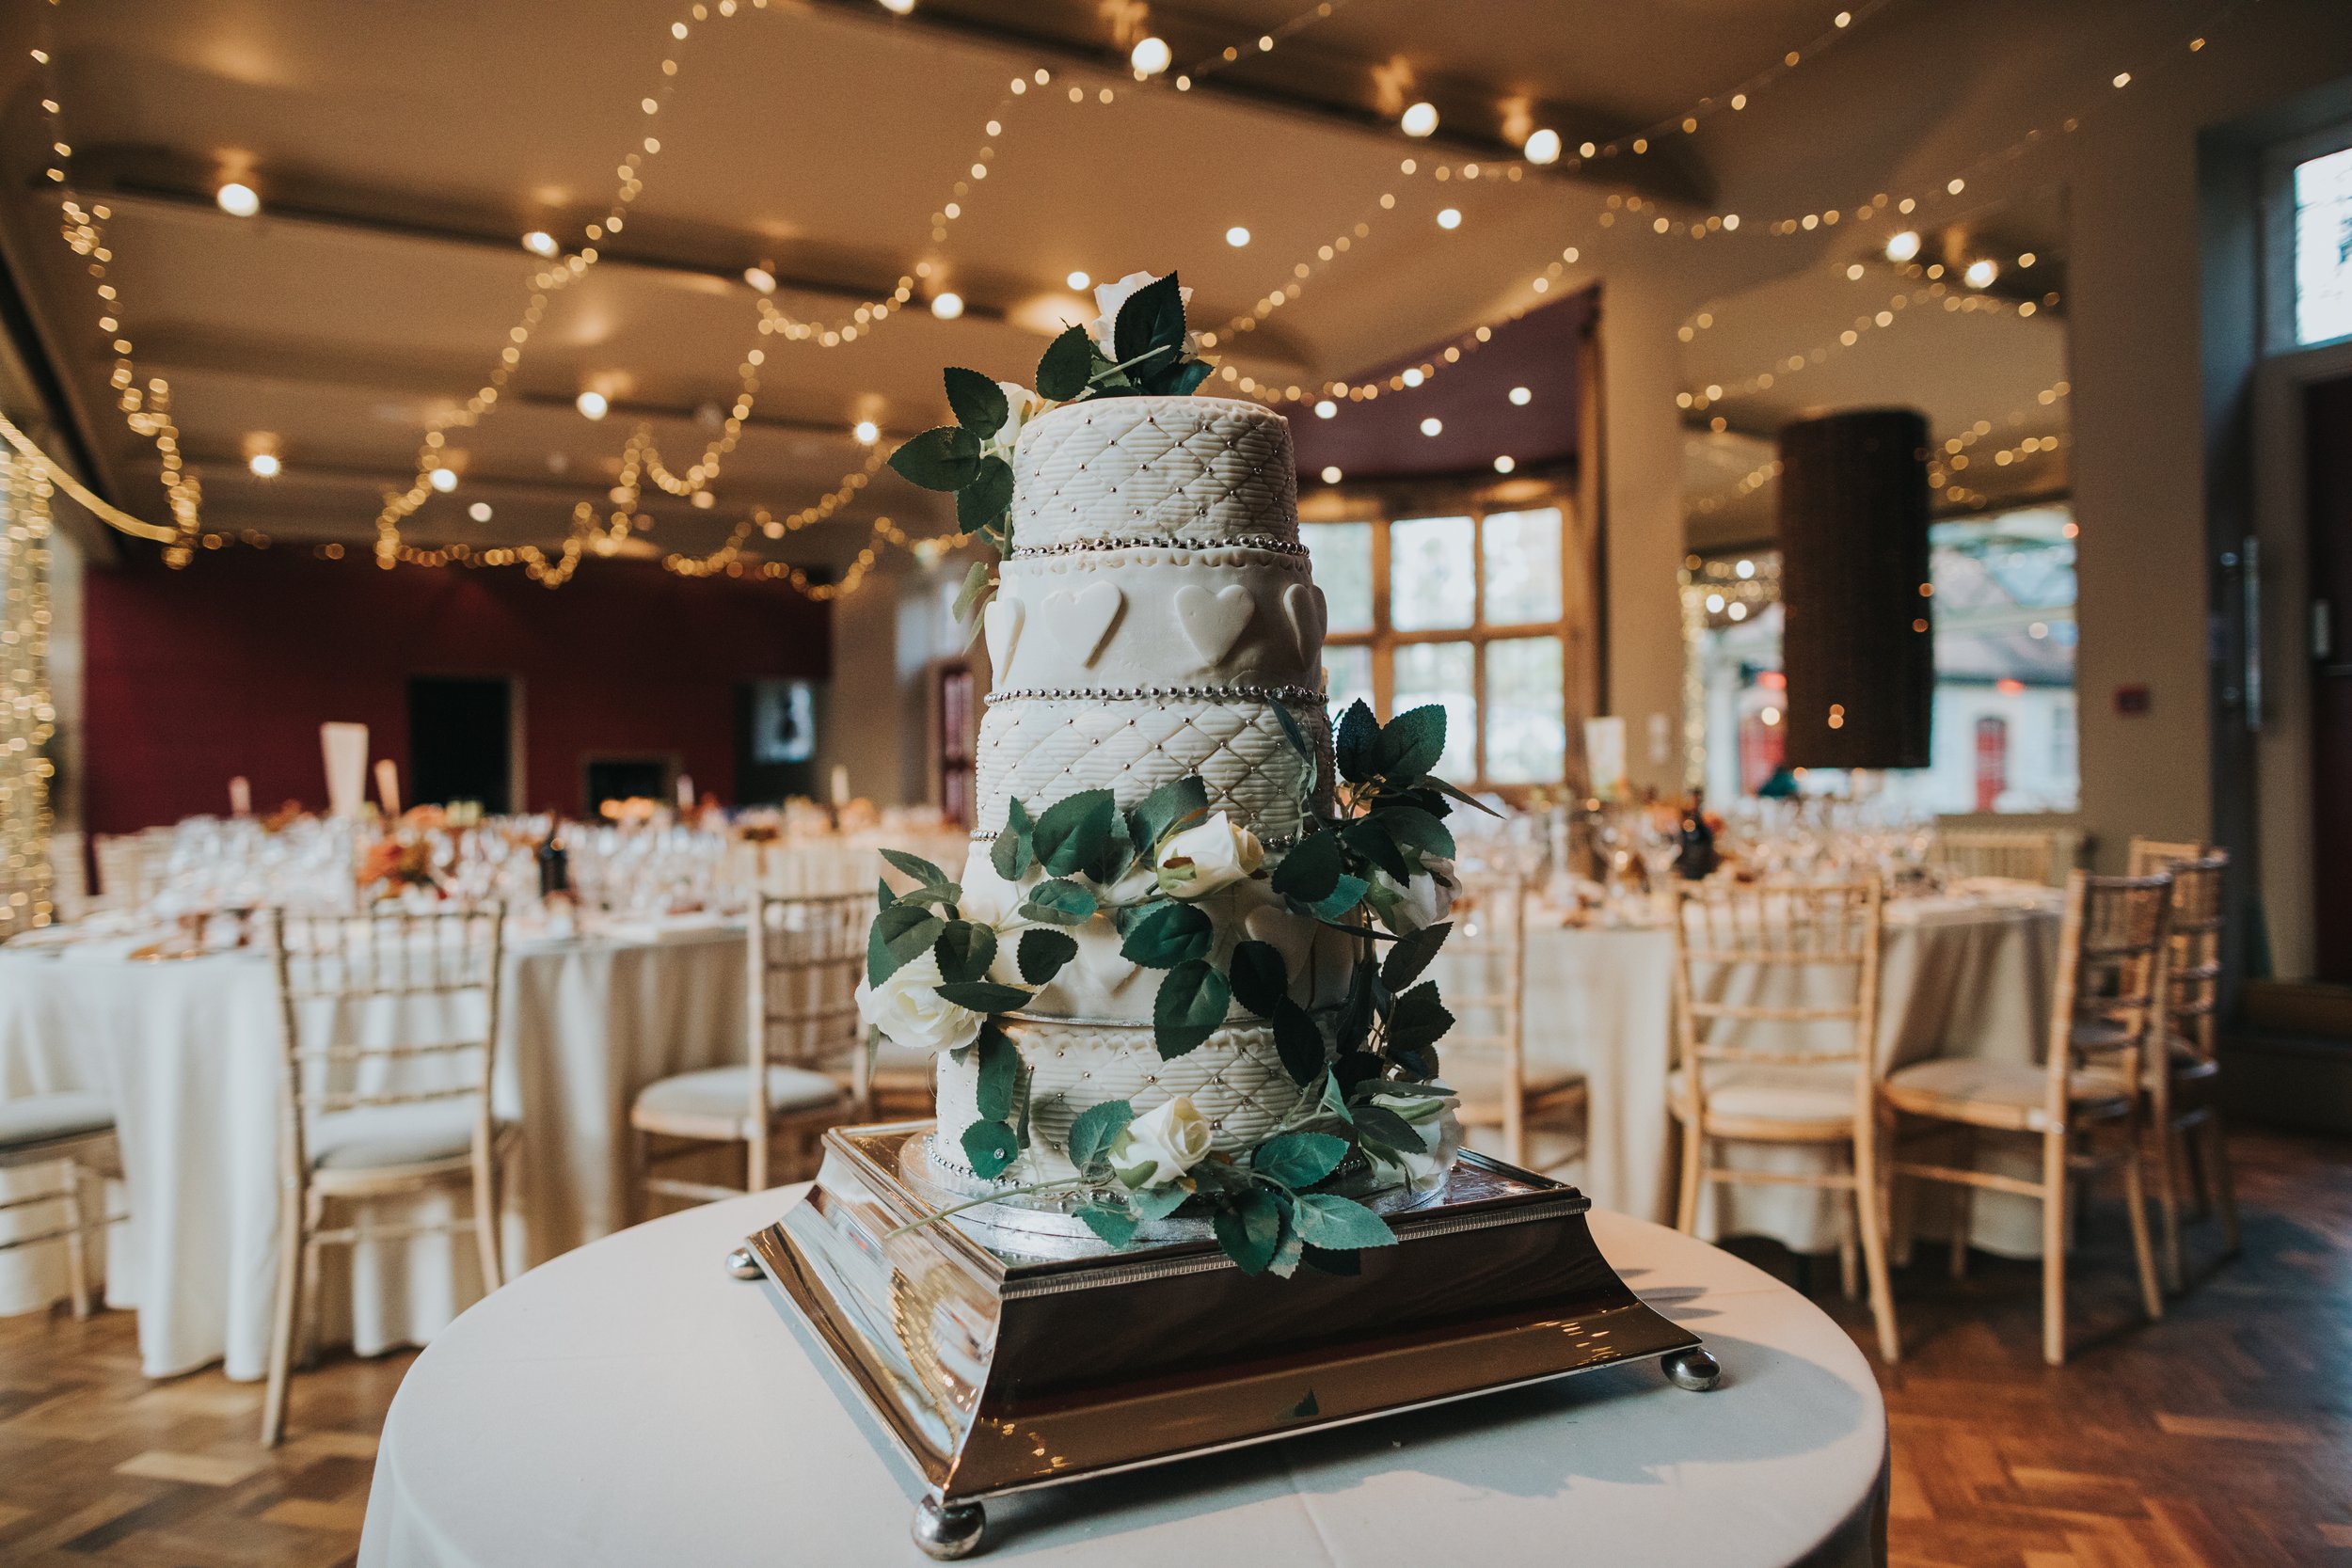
{"points": [[239, 797], [840, 784], [686, 792], [387, 785]]}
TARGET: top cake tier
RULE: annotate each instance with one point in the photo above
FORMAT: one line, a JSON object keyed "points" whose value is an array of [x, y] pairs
{"points": [[1190, 470]]}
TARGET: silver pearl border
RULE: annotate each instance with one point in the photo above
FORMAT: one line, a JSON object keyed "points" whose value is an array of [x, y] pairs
{"points": [[1157, 694]]}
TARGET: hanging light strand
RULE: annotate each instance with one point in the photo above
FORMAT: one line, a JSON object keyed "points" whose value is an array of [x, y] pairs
{"points": [[28, 717]]}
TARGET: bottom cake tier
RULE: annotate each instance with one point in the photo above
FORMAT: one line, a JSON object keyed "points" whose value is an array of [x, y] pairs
{"points": [[1234, 1079]]}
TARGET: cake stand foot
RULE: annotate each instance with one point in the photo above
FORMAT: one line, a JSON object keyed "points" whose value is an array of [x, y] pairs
{"points": [[742, 1264], [1693, 1368], [947, 1530]]}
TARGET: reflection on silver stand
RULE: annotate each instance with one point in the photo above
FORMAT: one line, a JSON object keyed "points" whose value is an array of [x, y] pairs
{"points": [[1003, 1348]]}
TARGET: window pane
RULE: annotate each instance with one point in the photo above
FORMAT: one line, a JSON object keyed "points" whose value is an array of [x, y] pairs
{"points": [[2323, 249], [1341, 554], [1347, 676], [1522, 551], [1526, 731], [1429, 573], [1445, 674]]}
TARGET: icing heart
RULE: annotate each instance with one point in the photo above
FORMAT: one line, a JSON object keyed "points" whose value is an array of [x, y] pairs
{"points": [[1000, 621], [1307, 610], [1081, 621], [1212, 622]]}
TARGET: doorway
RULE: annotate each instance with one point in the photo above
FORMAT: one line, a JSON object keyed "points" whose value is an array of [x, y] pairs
{"points": [[462, 742], [2327, 496]]}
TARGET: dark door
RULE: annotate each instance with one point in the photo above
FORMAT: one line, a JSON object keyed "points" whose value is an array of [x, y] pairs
{"points": [[2328, 437], [461, 741]]}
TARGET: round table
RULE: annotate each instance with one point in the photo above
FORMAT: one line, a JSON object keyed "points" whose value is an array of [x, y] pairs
{"points": [[630, 1402]]}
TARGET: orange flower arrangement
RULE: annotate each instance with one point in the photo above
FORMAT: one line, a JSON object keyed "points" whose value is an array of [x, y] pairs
{"points": [[397, 863]]}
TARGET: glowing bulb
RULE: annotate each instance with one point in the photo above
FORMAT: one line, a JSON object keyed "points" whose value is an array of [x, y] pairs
{"points": [[898, 8], [1714, 604], [1903, 246], [1330, 474], [479, 512], [1504, 464], [867, 432], [1450, 217], [1542, 147], [762, 279], [1078, 280], [948, 306], [1982, 272], [1738, 612], [1237, 236], [1521, 397], [705, 500], [443, 480], [1151, 57], [1412, 377], [592, 403], [1432, 425], [1418, 120], [540, 243], [264, 464], [1325, 409], [238, 200], [1768, 717], [1745, 570]]}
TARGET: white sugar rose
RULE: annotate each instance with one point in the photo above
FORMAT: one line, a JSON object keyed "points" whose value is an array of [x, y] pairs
{"points": [[1108, 297], [1162, 1144], [1425, 897], [1441, 1134], [909, 1010], [1214, 855], [1020, 405]]}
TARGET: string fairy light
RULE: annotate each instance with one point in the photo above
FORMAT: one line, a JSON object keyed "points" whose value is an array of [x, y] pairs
{"points": [[28, 717], [1898, 307]]}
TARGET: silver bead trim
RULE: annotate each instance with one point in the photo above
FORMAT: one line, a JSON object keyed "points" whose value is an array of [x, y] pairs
{"points": [[1247, 541], [1266, 841], [1158, 693]]}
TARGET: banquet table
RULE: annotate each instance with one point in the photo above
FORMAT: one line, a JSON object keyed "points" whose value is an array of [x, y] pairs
{"points": [[189, 1049], [631, 1403], [1961, 974]]}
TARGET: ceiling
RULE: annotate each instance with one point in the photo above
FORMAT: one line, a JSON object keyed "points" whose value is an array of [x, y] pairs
{"points": [[400, 150]]}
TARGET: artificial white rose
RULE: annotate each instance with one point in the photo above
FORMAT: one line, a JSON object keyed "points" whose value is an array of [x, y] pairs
{"points": [[1162, 1144], [1021, 406], [1425, 897], [1108, 297], [1203, 859], [909, 1010]]}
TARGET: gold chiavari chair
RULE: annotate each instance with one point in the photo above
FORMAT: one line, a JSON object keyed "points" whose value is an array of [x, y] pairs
{"points": [[366, 1121], [805, 955], [71, 1134], [1489, 1067], [1785, 933], [2015, 854], [2105, 1013], [2184, 1077], [2152, 855]]}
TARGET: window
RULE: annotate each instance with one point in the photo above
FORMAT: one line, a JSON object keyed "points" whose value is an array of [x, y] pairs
{"points": [[1465, 609], [2323, 248]]}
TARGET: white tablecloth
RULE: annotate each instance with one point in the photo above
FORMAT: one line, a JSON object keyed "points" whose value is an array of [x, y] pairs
{"points": [[189, 1049], [1958, 977], [631, 1403]]}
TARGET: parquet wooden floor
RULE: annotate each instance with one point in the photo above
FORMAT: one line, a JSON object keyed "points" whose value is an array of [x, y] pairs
{"points": [[2222, 1438]]}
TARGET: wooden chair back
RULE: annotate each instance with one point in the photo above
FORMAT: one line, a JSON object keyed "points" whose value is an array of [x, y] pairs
{"points": [[2017, 854], [2150, 855], [807, 956], [2113, 947], [384, 960], [2193, 969], [1489, 915]]}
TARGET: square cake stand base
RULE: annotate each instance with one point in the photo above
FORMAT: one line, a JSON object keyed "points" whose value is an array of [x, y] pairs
{"points": [[1003, 1348]]}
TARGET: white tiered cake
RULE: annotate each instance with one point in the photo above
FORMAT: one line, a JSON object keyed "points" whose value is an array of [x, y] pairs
{"points": [[1157, 606]]}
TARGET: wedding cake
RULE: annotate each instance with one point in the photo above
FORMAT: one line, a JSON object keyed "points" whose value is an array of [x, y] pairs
{"points": [[1180, 965]]}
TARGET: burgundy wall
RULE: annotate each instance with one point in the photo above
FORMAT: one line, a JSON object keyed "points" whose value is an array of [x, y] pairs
{"points": [[230, 666]]}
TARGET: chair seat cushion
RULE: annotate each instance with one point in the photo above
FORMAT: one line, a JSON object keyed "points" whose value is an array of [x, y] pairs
{"points": [[2013, 1091], [1760, 1092], [37, 1118], [379, 1137], [724, 1094], [1477, 1077]]}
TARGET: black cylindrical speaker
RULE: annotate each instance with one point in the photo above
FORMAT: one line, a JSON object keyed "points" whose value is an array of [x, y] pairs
{"points": [[1858, 643]]}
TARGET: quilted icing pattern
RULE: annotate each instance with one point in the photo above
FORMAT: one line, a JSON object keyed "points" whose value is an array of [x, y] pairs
{"points": [[1044, 749], [1236, 1080], [1193, 468]]}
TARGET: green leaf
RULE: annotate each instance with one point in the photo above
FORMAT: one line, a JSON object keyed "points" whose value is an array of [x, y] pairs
{"points": [[1411, 744], [1337, 1223], [899, 934], [1299, 1159], [1010, 854], [1074, 830], [982, 996], [1384, 1129], [999, 1076], [883, 896], [1419, 1019], [976, 589], [942, 458], [1181, 381], [1344, 895], [1411, 955], [987, 498], [1069, 360], [1310, 870], [1043, 953], [1260, 977], [1167, 934], [950, 895], [978, 402], [1118, 854], [1323, 1260], [966, 949], [989, 1146], [1416, 829], [1298, 1041], [1468, 799], [1116, 1229], [1096, 1128], [1165, 807], [1152, 318], [917, 867], [1372, 842], [1355, 1012], [1359, 733], [1191, 1003], [1250, 1229], [1297, 735], [1288, 1252], [1157, 1203], [1060, 901]]}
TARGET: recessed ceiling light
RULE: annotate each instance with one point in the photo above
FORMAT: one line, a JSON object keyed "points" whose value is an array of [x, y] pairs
{"points": [[1149, 56], [443, 480], [762, 279], [1521, 397], [1237, 236], [540, 243], [479, 512], [1504, 464], [1077, 280], [1418, 120], [866, 431], [1330, 474], [592, 403], [238, 199], [1541, 146], [1432, 425], [1325, 409], [948, 306], [1450, 217], [264, 464], [1903, 246]]}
